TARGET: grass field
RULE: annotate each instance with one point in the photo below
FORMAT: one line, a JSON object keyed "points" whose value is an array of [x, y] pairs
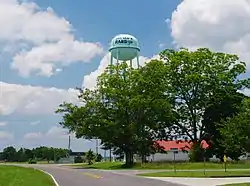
{"points": [[38, 162], [200, 174], [186, 165], [21, 176]]}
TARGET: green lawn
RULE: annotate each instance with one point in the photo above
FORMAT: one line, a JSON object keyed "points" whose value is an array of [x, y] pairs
{"points": [[38, 162], [187, 165], [209, 174], [21, 176]]}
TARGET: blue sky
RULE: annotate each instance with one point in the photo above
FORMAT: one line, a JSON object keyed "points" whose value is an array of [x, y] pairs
{"points": [[99, 23], [93, 21], [31, 63]]}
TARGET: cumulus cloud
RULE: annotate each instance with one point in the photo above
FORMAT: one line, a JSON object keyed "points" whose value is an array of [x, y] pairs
{"points": [[89, 81], [56, 137], [220, 25], [33, 123], [32, 100], [3, 123], [5, 136], [40, 39], [33, 136], [55, 132]]}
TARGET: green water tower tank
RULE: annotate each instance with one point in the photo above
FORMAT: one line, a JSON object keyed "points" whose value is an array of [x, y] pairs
{"points": [[124, 47]]}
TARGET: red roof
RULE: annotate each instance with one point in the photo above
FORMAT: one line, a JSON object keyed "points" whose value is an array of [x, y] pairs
{"points": [[180, 145]]}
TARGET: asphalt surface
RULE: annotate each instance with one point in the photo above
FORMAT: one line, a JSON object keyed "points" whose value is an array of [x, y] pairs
{"points": [[66, 176]]}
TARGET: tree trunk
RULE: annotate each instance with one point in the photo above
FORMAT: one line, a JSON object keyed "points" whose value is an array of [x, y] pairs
{"points": [[110, 155], [143, 158], [129, 158]]}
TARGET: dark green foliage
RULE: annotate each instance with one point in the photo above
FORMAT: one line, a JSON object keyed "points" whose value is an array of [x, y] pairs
{"points": [[78, 159], [32, 161], [224, 104], [196, 153], [235, 132], [98, 158], [90, 157], [133, 110], [184, 95], [10, 154]]}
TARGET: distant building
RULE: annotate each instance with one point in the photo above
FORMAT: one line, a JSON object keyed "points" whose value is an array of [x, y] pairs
{"points": [[71, 157], [178, 150], [74, 154]]}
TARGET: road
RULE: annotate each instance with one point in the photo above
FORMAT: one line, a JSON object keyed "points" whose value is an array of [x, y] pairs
{"points": [[67, 176]]}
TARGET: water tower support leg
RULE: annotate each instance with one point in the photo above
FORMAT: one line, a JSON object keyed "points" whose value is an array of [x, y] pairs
{"points": [[111, 61], [137, 58], [111, 64], [117, 54], [131, 63]]}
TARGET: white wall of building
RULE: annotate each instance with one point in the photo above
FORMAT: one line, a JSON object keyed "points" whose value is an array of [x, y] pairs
{"points": [[180, 156], [169, 156]]}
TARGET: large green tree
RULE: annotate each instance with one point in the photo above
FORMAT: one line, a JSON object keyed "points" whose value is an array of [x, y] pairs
{"points": [[193, 77], [128, 110], [9, 154], [235, 132], [226, 103]]}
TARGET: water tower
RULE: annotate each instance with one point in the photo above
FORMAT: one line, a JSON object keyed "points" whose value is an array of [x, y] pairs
{"points": [[123, 48]]}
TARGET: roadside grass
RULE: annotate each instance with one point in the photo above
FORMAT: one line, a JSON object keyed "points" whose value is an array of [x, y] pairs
{"points": [[199, 174], [166, 165], [22, 176], [38, 162]]}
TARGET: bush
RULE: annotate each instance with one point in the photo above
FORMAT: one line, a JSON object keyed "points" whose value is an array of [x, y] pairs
{"points": [[98, 158], [197, 153], [78, 159], [32, 161]]}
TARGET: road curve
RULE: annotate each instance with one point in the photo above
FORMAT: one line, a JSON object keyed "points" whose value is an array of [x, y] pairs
{"points": [[66, 176]]}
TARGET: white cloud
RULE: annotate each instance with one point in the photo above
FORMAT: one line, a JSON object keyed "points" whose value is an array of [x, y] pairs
{"points": [[56, 137], [6, 136], [220, 25], [32, 100], [47, 40], [55, 132], [33, 136], [89, 81], [33, 123], [3, 123], [43, 59]]}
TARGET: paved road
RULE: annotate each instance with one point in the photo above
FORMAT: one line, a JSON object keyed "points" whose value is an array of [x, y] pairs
{"points": [[66, 176], [134, 172]]}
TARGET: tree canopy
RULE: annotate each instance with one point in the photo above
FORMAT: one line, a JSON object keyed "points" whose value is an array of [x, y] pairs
{"points": [[173, 97], [11, 154]]}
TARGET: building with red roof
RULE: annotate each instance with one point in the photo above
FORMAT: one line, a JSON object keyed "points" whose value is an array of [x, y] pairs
{"points": [[175, 150], [179, 145]]}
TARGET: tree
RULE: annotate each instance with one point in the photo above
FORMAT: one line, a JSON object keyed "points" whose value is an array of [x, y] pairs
{"points": [[235, 132], [132, 108], [9, 154], [193, 77], [21, 155], [29, 153], [90, 156], [224, 104], [98, 158]]}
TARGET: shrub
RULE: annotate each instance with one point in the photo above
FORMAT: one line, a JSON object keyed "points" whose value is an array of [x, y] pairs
{"points": [[32, 161], [98, 158], [78, 159]]}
